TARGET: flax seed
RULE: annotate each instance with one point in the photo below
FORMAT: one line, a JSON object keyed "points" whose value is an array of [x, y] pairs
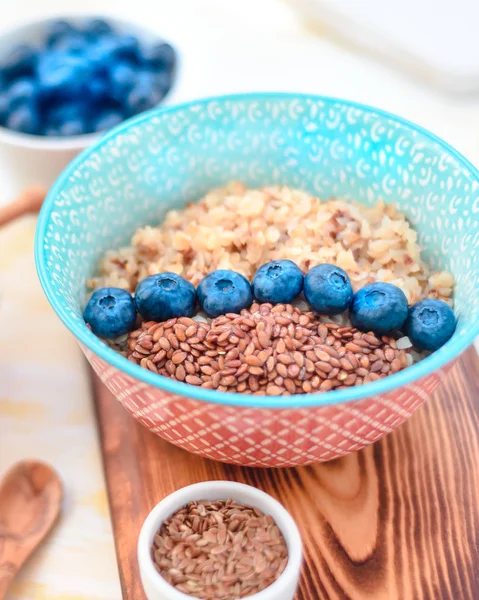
{"points": [[293, 370], [364, 362], [244, 557], [396, 365], [264, 339], [180, 373], [322, 355], [323, 366], [346, 364], [285, 359], [376, 366], [255, 370], [253, 361], [274, 390], [302, 355], [164, 343], [270, 364], [178, 357]]}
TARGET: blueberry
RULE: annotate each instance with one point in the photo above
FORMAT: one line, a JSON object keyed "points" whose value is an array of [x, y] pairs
{"points": [[162, 82], [327, 289], [122, 80], [110, 312], [65, 112], [139, 100], [379, 307], [97, 28], [108, 120], [99, 88], [278, 282], [164, 296], [143, 96], [73, 44], [430, 324], [101, 54], [59, 30], [224, 292], [23, 119], [62, 74], [127, 47], [20, 61], [113, 48], [159, 56], [51, 132], [20, 92], [73, 127], [3, 108]]}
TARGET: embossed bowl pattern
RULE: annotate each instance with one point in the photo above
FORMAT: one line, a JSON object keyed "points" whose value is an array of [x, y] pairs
{"points": [[165, 158]]}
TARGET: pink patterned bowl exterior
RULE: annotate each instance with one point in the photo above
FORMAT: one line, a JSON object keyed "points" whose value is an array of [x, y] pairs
{"points": [[261, 437], [165, 158]]}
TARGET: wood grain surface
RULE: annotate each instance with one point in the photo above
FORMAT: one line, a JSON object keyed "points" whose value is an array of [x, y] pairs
{"points": [[398, 520]]}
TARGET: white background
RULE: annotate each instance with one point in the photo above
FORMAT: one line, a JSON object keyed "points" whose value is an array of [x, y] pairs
{"points": [[436, 38]]}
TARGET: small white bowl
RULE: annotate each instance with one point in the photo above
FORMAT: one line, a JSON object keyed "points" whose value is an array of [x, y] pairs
{"points": [[157, 588], [40, 159]]}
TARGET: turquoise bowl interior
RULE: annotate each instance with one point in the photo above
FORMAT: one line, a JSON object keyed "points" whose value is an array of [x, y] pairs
{"points": [[167, 157]]}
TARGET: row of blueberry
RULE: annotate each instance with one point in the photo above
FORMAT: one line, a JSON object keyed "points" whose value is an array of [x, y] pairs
{"points": [[82, 80], [378, 307]]}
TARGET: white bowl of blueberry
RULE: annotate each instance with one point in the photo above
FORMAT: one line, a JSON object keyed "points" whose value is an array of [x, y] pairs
{"points": [[64, 82]]}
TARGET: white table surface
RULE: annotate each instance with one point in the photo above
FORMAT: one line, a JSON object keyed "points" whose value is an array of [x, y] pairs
{"points": [[45, 403]]}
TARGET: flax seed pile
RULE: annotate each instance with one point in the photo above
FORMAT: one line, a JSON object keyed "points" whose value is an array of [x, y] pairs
{"points": [[220, 549], [273, 350]]}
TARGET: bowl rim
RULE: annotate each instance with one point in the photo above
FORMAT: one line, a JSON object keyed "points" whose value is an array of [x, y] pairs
{"points": [[30, 141], [408, 376]]}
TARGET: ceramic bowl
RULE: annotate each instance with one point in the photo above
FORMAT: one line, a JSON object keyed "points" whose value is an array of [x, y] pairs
{"points": [[330, 147], [38, 158], [157, 588]]}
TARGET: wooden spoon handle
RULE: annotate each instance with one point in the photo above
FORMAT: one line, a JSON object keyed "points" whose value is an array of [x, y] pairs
{"points": [[8, 570], [29, 201]]}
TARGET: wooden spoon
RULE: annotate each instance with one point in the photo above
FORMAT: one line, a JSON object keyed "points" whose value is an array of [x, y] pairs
{"points": [[29, 201], [30, 501]]}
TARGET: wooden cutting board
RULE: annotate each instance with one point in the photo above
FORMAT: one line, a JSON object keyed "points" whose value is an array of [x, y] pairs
{"points": [[396, 521]]}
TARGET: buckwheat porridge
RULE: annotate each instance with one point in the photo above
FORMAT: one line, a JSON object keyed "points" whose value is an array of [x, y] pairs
{"points": [[278, 347], [240, 229]]}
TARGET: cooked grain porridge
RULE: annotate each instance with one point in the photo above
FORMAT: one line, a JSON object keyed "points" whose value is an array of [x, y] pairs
{"points": [[241, 229], [272, 349]]}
